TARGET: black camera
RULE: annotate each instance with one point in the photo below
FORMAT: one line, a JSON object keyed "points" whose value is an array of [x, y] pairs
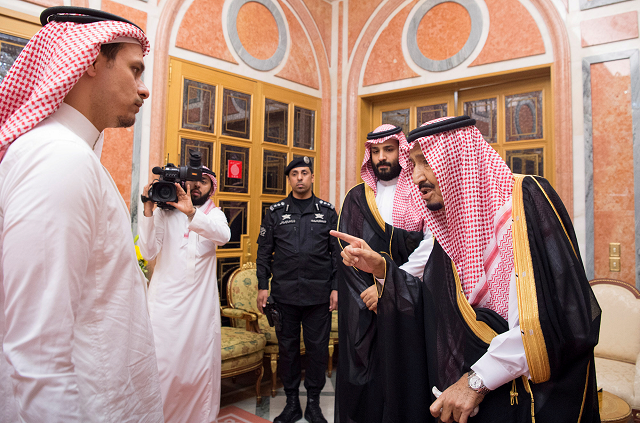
{"points": [[163, 190]]}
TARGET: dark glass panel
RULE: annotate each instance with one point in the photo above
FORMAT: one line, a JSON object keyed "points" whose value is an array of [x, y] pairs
{"points": [[304, 128], [204, 147], [486, 115], [524, 116], [398, 118], [10, 48], [198, 106], [276, 118], [234, 169], [273, 165], [236, 212], [427, 113], [526, 162], [236, 114]]}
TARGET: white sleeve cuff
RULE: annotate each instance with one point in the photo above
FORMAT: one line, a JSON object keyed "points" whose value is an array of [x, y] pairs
{"points": [[504, 361]]}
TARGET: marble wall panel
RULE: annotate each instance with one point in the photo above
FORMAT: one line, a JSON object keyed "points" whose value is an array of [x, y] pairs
{"points": [[257, 30], [116, 157], [443, 31], [608, 29], [136, 16], [201, 30], [321, 12], [47, 3], [613, 172], [386, 62], [301, 64], [358, 13], [513, 33]]}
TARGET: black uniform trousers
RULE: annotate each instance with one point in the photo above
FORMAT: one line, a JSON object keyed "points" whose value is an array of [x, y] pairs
{"points": [[316, 325]]}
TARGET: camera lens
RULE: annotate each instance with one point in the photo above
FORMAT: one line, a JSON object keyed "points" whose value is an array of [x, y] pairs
{"points": [[165, 192]]}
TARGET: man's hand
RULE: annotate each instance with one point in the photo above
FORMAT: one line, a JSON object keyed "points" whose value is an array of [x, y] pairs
{"points": [[370, 297], [263, 294], [149, 206], [456, 403], [360, 255], [184, 203], [333, 301]]}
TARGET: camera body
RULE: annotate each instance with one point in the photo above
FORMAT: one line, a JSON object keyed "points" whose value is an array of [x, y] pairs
{"points": [[163, 190]]}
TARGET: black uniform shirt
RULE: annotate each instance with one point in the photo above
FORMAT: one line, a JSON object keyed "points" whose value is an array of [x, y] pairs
{"points": [[295, 247]]}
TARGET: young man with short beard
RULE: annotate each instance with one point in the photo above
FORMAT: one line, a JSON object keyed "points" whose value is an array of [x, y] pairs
{"points": [[380, 210], [183, 298], [77, 343]]}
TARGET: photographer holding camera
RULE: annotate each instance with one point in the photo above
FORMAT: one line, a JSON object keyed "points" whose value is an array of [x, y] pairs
{"points": [[183, 293]]}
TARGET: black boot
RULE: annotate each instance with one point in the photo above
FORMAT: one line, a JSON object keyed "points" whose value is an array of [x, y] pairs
{"points": [[313, 414], [292, 411]]}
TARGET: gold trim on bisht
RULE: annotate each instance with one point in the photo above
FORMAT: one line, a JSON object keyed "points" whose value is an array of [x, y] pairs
{"points": [[531, 330], [481, 329], [371, 201], [340, 215]]}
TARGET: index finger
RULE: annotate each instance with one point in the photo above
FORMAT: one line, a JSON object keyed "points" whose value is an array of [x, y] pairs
{"points": [[180, 189], [345, 237]]}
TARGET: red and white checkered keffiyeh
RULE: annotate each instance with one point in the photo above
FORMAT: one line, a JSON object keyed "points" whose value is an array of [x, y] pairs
{"points": [[48, 67], [474, 228], [405, 214], [214, 181]]}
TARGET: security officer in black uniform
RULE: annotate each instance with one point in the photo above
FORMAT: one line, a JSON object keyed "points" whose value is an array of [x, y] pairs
{"points": [[295, 246]]}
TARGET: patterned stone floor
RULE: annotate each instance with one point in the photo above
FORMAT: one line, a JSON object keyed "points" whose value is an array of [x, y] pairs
{"points": [[242, 394]]}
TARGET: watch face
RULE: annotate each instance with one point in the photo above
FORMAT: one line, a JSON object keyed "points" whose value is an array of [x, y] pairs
{"points": [[475, 382]]}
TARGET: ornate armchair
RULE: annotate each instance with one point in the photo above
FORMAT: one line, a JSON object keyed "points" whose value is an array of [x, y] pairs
{"points": [[618, 350], [242, 349]]}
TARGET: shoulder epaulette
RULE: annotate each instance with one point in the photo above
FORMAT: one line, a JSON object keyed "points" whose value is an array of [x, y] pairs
{"points": [[276, 206], [326, 204]]}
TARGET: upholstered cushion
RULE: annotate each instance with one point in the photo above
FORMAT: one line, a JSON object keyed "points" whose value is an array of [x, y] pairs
{"points": [[618, 378], [243, 361], [238, 342], [620, 326], [243, 290], [268, 332]]}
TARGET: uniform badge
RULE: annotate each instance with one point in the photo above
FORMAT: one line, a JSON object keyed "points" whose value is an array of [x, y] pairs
{"points": [[286, 216], [318, 218], [263, 231]]}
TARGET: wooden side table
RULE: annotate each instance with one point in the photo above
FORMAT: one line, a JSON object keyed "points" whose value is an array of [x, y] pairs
{"points": [[614, 409]]}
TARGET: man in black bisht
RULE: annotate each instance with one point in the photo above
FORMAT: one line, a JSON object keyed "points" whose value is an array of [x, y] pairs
{"points": [[380, 211], [510, 321], [295, 247]]}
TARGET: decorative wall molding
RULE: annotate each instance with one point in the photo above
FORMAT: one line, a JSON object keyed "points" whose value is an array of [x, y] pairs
{"points": [[276, 58], [449, 63], [634, 59]]}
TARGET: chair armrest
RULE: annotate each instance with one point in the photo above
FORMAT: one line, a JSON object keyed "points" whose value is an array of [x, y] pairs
{"points": [[235, 313], [636, 383]]}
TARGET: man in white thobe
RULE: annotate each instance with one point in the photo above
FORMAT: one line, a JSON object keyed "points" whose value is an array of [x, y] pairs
{"points": [[183, 298], [77, 342]]}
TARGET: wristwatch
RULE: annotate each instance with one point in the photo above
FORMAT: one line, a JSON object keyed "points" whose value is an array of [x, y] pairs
{"points": [[476, 383]]}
